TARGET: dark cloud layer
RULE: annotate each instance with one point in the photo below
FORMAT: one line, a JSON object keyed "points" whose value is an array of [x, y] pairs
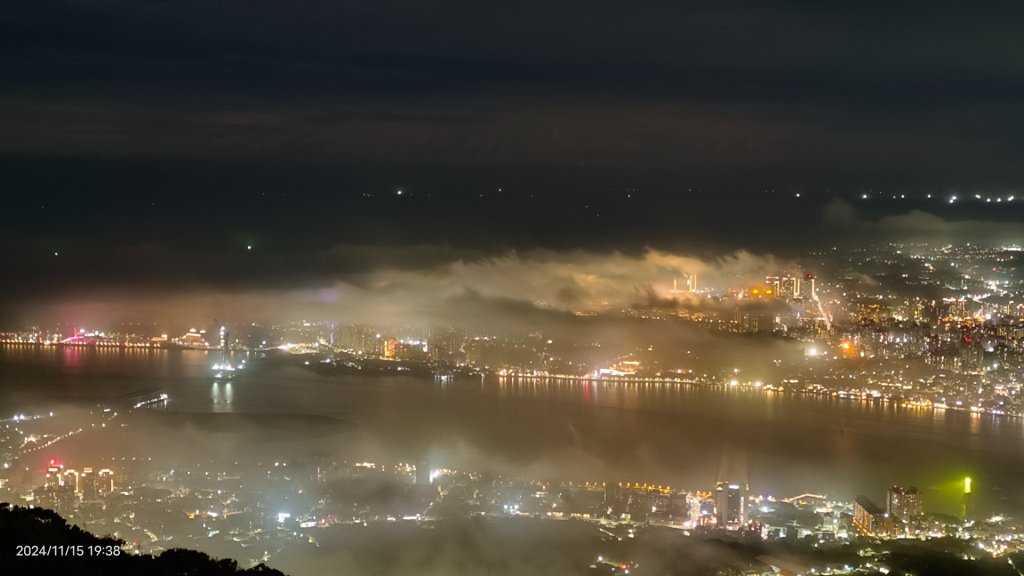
{"points": [[756, 92], [417, 284], [145, 145], [190, 275], [920, 226]]}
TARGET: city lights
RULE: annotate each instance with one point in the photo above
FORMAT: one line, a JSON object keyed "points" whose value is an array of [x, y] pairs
{"points": [[387, 289]]}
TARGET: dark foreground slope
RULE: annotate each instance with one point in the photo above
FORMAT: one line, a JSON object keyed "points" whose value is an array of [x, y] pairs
{"points": [[38, 541]]}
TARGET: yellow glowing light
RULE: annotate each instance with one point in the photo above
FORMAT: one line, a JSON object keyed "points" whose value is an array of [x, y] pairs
{"points": [[967, 485], [755, 291]]}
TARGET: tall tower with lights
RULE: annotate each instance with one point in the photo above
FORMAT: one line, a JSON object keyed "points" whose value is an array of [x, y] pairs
{"points": [[731, 503], [968, 501]]}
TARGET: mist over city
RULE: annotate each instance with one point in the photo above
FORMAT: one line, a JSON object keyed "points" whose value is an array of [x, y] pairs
{"points": [[677, 288]]}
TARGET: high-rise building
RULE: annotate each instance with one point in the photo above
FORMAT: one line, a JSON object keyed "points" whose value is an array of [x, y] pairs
{"points": [[968, 501], [731, 502], [867, 517], [904, 503], [88, 484], [54, 474], [786, 287], [71, 479], [105, 484], [789, 287]]}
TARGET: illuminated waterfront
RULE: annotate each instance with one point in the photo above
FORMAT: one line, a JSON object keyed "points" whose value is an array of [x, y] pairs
{"points": [[585, 430]]}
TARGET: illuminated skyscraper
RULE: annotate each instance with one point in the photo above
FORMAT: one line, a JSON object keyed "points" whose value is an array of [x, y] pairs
{"points": [[87, 483], [968, 501], [731, 502], [904, 503], [867, 517], [71, 480], [106, 481], [691, 284], [54, 474], [789, 287]]}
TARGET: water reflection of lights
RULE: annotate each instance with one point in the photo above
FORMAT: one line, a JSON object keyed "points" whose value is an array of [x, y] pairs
{"points": [[221, 393]]}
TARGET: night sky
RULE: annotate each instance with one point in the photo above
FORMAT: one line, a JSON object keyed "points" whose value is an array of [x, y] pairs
{"points": [[148, 144]]}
